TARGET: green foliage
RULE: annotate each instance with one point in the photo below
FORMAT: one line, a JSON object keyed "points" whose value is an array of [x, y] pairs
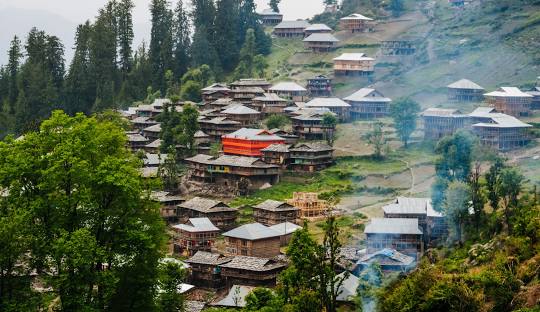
{"points": [[397, 7], [404, 112], [377, 139], [277, 121], [456, 206], [274, 5], [329, 121], [251, 63], [171, 275]]}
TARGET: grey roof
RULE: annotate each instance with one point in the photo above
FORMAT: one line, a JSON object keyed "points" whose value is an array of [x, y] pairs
{"points": [[240, 110], [206, 205], [387, 256], [393, 226], [292, 24], [311, 147], [269, 12], [274, 205], [253, 263], [353, 57], [216, 87], [220, 121], [164, 197], [252, 231], [270, 97], [409, 205], [321, 37], [160, 102], [253, 134], [285, 228], [248, 89], [349, 288], [287, 86], [149, 172], [200, 134], [230, 160], [136, 138], [312, 115], [194, 306], [356, 16], [442, 112], [250, 82], [318, 27], [465, 84], [508, 92], [154, 144], [503, 121], [154, 159], [327, 102], [367, 95], [144, 120], [210, 258], [279, 148], [155, 128], [197, 225], [223, 102], [236, 297], [482, 112]]}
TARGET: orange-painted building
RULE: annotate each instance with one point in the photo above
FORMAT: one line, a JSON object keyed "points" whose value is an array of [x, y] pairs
{"points": [[249, 142]]}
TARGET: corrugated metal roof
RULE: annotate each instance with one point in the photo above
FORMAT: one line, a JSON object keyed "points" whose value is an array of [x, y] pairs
{"points": [[253, 134], [508, 92], [292, 24], [311, 147], [282, 148], [327, 102], [395, 257], [367, 95], [503, 121], [240, 110], [442, 112], [269, 12], [465, 84], [210, 258], [348, 289], [482, 112], [197, 225], [236, 297], [353, 57], [274, 205], [325, 37], [252, 231], [206, 205], [356, 16], [318, 27], [285, 228], [393, 226], [287, 86], [270, 97]]}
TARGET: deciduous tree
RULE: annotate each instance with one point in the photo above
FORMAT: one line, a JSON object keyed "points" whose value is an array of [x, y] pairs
{"points": [[404, 112]]}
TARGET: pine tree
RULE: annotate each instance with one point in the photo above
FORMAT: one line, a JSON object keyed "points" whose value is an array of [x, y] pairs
{"points": [[247, 54], [249, 18], [274, 5], [203, 52], [160, 42], [204, 13], [181, 40], [125, 35], [226, 33], [13, 66]]}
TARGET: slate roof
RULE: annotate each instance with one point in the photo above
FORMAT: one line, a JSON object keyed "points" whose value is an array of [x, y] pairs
{"points": [[220, 121], [318, 37], [223, 102], [311, 147], [253, 135], [194, 306], [136, 138], [216, 87], [250, 83], [318, 27], [278, 148], [274, 205], [251, 231], [206, 205], [200, 134], [230, 160], [327, 102], [154, 144], [287, 86], [240, 110], [356, 16], [387, 256], [393, 226], [285, 228], [353, 57], [236, 297], [292, 24], [348, 289], [508, 92], [154, 128], [209, 258], [197, 225], [248, 89], [367, 95], [154, 159], [253, 263], [270, 97], [164, 197], [465, 84]]}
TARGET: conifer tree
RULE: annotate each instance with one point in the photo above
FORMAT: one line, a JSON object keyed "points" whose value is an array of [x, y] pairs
{"points": [[160, 42], [226, 38], [125, 35], [274, 5], [13, 66], [203, 52], [181, 40]]}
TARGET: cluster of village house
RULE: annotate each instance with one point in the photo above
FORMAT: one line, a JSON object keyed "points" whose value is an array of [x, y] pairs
{"points": [[230, 115]]}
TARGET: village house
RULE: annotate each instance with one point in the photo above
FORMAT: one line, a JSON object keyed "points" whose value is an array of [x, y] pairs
{"points": [[440, 122], [510, 101], [219, 213], [317, 29], [244, 115], [254, 271], [269, 103], [218, 126], [249, 142], [251, 83], [308, 125], [390, 260], [147, 110], [320, 42], [290, 29], [311, 156], [309, 204], [168, 205], [368, 103], [270, 18], [205, 271], [319, 86], [285, 230], [397, 47], [335, 105], [432, 223], [152, 132], [289, 137], [153, 147], [232, 171], [499, 131], [219, 104], [215, 92], [535, 92], [347, 291], [465, 91], [357, 23], [136, 141], [272, 212], [254, 240], [154, 160], [235, 298], [290, 90], [277, 154], [401, 234], [140, 123], [197, 234], [245, 95], [354, 64]]}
